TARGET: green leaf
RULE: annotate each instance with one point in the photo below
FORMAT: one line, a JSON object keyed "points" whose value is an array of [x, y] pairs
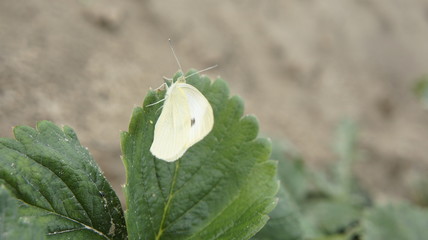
{"points": [[284, 222], [11, 225], [334, 237], [396, 222], [346, 148], [59, 184], [338, 183], [421, 90], [223, 186], [346, 143], [419, 191], [323, 218], [292, 171]]}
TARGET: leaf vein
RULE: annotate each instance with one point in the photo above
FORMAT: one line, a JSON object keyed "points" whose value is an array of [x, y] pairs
{"points": [[167, 206], [67, 218], [158, 182]]}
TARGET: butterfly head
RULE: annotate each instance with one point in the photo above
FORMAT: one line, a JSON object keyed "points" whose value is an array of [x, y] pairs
{"points": [[181, 79], [178, 78]]}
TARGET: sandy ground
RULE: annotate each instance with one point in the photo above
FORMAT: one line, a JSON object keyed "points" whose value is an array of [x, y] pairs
{"points": [[301, 66]]}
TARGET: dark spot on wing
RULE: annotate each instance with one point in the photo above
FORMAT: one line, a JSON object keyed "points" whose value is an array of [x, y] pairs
{"points": [[192, 122]]}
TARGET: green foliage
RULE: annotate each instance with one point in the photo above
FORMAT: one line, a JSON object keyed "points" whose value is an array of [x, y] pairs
{"points": [[317, 205], [421, 90], [396, 222], [328, 217], [59, 185], [222, 188], [419, 191], [284, 222], [338, 182], [330, 205], [293, 175], [335, 201]]}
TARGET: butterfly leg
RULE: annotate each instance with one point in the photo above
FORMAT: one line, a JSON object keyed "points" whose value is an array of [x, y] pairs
{"points": [[152, 104], [170, 80], [162, 87], [159, 109]]}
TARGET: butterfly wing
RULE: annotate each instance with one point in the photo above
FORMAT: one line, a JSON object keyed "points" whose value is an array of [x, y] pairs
{"points": [[201, 113], [172, 128]]}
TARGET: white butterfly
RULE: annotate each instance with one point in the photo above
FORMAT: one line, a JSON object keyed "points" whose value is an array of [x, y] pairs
{"points": [[186, 118]]}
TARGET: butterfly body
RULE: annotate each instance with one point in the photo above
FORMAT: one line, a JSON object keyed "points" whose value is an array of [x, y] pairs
{"points": [[186, 118]]}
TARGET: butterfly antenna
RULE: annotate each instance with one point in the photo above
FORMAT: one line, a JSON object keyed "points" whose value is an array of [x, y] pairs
{"points": [[203, 70], [175, 56], [179, 65]]}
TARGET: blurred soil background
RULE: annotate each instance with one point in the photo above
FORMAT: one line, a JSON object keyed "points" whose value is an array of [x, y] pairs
{"points": [[301, 67]]}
